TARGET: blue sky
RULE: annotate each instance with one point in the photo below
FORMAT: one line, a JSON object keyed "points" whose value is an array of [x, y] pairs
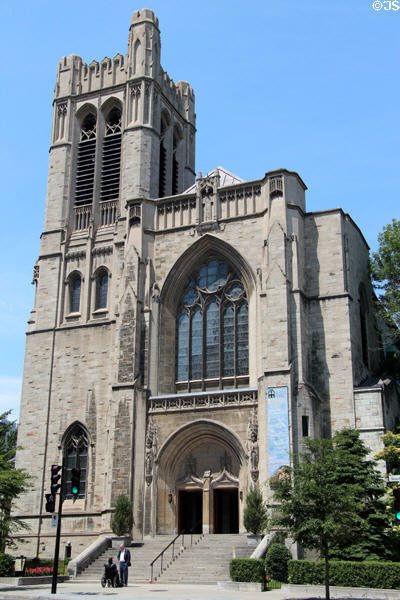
{"points": [[309, 85]]}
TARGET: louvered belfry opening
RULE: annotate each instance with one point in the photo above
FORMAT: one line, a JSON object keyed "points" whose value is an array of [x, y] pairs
{"points": [[111, 164], [163, 171], [162, 177], [175, 165], [175, 175], [86, 162]]}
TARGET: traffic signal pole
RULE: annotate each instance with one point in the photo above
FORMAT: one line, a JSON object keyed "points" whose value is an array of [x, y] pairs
{"points": [[58, 536]]}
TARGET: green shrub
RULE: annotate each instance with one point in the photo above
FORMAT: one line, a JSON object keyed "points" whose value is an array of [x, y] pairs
{"points": [[247, 569], [122, 521], [255, 515], [6, 565], [276, 562], [32, 563], [372, 574]]}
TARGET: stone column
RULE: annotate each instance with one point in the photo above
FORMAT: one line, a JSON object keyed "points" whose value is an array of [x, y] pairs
{"points": [[208, 525]]}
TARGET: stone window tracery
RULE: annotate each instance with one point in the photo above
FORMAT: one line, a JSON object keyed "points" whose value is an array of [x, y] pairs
{"points": [[111, 159], [76, 456], [212, 328], [86, 159]]}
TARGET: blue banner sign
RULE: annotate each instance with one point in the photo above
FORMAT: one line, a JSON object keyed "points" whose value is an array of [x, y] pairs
{"points": [[278, 428]]}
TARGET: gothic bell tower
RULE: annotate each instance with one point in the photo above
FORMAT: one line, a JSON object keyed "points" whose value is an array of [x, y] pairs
{"points": [[123, 133]]}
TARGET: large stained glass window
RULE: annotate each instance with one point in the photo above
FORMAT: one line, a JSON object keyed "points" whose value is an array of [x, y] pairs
{"points": [[76, 455], [212, 329]]}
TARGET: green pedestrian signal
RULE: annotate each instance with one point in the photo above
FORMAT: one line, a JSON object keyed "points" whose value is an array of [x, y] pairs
{"points": [[75, 482], [396, 503]]}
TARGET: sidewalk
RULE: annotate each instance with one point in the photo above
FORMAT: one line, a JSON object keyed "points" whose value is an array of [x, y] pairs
{"points": [[157, 591]]}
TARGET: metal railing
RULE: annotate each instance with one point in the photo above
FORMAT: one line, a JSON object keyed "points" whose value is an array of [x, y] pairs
{"points": [[173, 553]]}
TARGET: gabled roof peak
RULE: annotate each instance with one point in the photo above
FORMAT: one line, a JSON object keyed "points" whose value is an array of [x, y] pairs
{"points": [[226, 178]]}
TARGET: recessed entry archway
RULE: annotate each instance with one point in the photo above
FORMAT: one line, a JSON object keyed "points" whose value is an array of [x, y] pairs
{"points": [[200, 472]]}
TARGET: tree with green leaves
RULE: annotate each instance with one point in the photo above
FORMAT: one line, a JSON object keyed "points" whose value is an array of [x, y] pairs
{"points": [[391, 452], [255, 514], [13, 482], [385, 270], [122, 521], [318, 511], [391, 455], [374, 539]]}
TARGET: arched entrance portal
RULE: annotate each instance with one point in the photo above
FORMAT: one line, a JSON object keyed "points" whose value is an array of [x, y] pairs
{"points": [[200, 473]]}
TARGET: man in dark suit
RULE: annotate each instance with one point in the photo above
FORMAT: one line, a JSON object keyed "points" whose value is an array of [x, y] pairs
{"points": [[124, 559]]}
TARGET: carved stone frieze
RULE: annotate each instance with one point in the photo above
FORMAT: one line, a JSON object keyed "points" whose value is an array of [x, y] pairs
{"points": [[218, 399]]}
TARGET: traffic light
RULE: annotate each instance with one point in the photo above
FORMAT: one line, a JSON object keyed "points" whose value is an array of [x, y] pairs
{"points": [[50, 503], [75, 482], [396, 503], [55, 477]]}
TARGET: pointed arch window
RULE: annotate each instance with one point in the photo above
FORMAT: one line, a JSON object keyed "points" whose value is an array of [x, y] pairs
{"points": [[111, 159], [75, 283], [76, 456], [101, 289], [212, 330], [86, 159]]}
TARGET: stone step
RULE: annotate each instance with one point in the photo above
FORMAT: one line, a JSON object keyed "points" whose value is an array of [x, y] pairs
{"points": [[211, 558], [210, 555]]}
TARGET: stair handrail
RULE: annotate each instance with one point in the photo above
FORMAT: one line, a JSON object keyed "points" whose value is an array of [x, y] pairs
{"points": [[172, 543]]}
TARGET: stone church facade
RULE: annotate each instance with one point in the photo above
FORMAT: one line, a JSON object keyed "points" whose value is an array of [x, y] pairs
{"points": [[187, 333]]}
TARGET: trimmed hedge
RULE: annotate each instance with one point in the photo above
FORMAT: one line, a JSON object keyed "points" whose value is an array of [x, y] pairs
{"points": [[32, 563], [372, 574], [247, 569], [6, 565], [276, 561]]}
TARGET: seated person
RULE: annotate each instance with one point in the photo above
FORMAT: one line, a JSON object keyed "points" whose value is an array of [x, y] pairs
{"points": [[111, 572]]}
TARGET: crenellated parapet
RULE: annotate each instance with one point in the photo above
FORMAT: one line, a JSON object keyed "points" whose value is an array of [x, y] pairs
{"points": [[140, 68], [179, 94], [76, 77]]}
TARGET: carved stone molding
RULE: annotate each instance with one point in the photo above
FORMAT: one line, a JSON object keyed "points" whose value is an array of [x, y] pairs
{"points": [[77, 255], [102, 251], [202, 401], [61, 108], [206, 227], [240, 192], [136, 89]]}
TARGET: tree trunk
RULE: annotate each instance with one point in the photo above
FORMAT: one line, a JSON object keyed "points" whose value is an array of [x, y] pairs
{"points": [[326, 557]]}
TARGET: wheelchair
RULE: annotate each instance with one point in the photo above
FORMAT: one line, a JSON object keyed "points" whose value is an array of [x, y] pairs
{"points": [[110, 576]]}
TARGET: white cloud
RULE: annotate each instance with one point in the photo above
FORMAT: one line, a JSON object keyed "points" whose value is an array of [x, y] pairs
{"points": [[10, 393]]}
